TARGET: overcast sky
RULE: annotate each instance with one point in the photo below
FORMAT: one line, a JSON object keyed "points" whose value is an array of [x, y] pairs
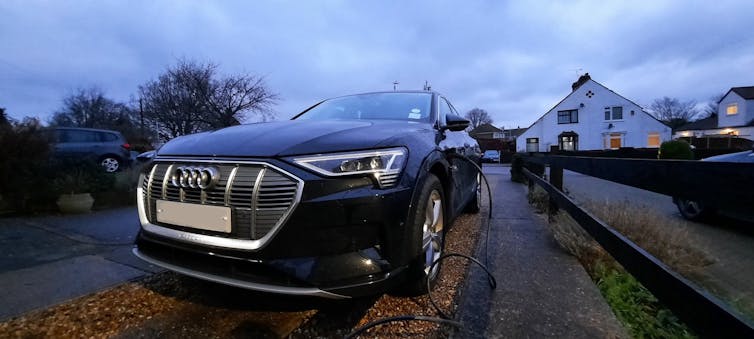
{"points": [[514, 59]]}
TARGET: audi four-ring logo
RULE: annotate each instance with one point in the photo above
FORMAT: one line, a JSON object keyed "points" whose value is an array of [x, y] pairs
{"points": [[195, 177]]}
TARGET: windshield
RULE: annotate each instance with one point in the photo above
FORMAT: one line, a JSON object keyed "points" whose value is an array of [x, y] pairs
{"points": [[380, 106]]}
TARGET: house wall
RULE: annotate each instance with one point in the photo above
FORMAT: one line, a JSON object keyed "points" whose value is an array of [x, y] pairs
{"points": [[745, 114], [592, 126], [742, 132]]}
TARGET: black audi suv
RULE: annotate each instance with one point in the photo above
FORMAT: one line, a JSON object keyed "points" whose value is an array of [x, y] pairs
{"points": [[351, 197]]}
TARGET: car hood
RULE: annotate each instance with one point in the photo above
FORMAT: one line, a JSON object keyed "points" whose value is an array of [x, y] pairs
{"points": [[746, 156], [292, 137]]}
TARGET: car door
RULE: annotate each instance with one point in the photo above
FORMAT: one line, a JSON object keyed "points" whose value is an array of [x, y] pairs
{"points": [[463, 176], [473, 153], [76, 143]]}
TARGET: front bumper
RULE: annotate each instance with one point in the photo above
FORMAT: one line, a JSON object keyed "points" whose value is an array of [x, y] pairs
{"points": [[345, 238]]}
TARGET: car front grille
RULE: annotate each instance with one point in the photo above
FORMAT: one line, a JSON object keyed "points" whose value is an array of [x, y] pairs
{"points": [[260, 196]]}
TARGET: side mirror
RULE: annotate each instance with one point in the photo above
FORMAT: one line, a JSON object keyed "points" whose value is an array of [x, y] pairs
{"points": [[456, 123]]}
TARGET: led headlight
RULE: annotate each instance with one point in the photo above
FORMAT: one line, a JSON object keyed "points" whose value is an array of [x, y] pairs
{"points": [[384, 165]]}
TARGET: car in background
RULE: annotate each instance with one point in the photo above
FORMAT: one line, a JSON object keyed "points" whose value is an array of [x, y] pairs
{"points": [[491, 156], [107, 148], [695, 210], [352, 197]]}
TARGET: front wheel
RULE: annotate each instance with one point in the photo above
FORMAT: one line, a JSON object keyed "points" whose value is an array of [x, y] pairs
{"points": [[691, 210], [429, 221], [111, 164]]}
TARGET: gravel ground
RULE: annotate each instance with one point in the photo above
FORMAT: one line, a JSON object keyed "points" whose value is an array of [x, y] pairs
{"points": [[462, 239], [173, 306]]}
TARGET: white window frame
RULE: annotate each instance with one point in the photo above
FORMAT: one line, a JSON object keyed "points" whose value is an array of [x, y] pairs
{"points": [[610, 111], [733, 105], [659, 139], [571, 114], [572, 142], [529, 145]]}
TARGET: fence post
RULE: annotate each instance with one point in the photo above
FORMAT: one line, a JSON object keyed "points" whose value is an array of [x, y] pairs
{"points": [[556, 179]]}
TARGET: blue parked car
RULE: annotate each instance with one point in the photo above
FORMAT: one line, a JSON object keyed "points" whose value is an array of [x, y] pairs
{"points": [[108, 148]]}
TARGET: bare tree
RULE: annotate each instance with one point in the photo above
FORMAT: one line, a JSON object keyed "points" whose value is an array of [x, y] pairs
{"points": [[91, 108], [174, 103], [673, 112], [232, 98], [711, 108], [190, 98], [478, 117], [4, 121]]}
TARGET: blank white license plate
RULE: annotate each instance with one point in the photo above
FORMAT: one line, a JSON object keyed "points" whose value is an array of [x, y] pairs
{"points": [[205, 217]]}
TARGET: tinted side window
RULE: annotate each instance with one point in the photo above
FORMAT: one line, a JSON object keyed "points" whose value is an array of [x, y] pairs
{"points": [[78, 136], [108, 137]]}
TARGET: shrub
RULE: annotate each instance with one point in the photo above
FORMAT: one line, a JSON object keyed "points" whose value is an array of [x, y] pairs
{"points": [[675, 149], [637, 309], [25, 150], [73, 176]]}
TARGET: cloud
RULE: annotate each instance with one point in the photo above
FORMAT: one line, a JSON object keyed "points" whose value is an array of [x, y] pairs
{"points": [[514, 59]]}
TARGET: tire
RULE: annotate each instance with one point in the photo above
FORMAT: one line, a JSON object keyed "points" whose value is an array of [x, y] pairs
{"points": [[692, 210], [111, 163], [429, 236], [475, 204]]}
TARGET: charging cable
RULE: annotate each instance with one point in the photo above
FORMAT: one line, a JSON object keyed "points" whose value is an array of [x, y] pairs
{"points": [[444, 317]]}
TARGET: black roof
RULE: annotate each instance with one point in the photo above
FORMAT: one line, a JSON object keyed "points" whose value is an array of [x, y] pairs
{"points": [[746, 92], [706, 123]]}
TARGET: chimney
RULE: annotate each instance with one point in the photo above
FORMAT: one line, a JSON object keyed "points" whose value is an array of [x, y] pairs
{"points": [[582, 79]]}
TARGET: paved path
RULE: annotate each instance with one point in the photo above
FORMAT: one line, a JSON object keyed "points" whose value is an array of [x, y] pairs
{"points": [[542, 290], [48, 260]]}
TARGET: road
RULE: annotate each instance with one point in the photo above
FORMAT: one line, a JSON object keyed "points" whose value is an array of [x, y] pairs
{"points": [[728, 242]]}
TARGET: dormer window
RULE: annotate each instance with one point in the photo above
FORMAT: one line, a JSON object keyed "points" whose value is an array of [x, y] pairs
{"points": [[731, 109]]}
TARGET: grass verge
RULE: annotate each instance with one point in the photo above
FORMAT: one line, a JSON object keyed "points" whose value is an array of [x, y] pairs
{"points": [[634, 306]]}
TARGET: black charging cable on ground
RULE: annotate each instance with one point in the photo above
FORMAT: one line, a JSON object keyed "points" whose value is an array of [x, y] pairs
{"points": [[444, 317]]}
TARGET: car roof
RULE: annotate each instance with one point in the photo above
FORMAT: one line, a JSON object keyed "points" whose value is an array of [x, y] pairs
{"points": [[387, 92], [86, 129]]}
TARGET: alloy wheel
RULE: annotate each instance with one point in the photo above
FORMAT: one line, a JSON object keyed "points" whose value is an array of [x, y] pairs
{"points": [[432, 233], [110, 164]]}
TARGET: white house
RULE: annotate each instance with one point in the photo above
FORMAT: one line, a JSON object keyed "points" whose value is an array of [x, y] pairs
{"points": [[735, 118], [593, 117]]}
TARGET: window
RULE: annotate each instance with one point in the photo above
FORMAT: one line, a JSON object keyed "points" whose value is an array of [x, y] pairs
{"points": [[614, 113], [108, 137], [78, 136], [614, 141], [653, 140], [568, 142], [568, 117], [532, 144], [731, 109]]}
